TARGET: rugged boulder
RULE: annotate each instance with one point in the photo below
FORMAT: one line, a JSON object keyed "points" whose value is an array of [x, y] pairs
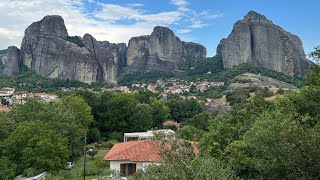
{"points": [[45, 50], [160, 51], [10, 59], [255, 39]]}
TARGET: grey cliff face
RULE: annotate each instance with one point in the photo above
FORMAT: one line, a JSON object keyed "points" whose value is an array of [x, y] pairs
{"points": [[106, 69], [160, 51], [11, 61], [46, 51], [255, 39], [119, 52]]}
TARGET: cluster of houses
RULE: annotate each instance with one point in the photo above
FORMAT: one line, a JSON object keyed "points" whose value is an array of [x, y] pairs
{"points": [[12, 97], [171, 86]]}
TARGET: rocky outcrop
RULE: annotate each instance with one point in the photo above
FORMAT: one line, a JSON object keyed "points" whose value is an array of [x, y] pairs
{"points": [[160, 51], [45, 50], [253, 81], [11, 61], [106, 69], [119, 52], [255, 39]]}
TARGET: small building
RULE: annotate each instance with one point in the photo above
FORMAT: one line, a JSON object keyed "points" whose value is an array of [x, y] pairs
{"points": [[171, 123], [6, 92], [41, 176], [128, 157], [165, 134]]}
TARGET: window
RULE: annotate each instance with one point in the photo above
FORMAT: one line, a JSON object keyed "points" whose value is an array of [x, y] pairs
{"points": [[128, 169]]}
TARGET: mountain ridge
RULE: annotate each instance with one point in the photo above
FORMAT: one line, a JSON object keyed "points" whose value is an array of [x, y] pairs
{"points": [[48, 50]]}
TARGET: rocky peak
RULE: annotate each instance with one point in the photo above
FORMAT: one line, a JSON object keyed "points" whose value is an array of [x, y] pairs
{"points": [[11, 61], [253, 16], [161, 51], [257, 40], [160, 31], [52, 25]]}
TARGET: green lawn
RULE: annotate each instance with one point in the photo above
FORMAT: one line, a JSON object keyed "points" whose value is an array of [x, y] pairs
{"points": [[77, 171]]}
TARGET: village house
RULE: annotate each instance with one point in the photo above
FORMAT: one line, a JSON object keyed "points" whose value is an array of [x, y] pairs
{"points": [[129, 157], [171, 123], [124, 89], [6, 92]]}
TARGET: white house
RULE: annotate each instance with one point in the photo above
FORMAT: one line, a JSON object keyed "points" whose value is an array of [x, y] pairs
{"points": [[167, 134], [129, 157], [6, 92]]}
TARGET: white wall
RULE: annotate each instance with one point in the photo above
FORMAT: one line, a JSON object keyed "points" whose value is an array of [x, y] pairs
{"points": [[115, 165]]}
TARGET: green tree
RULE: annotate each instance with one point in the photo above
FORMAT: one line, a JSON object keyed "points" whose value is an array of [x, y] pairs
{"points": [[181, 109], [200, 121], [278, 148], [190, 133], [94, 135], [33, 144], [141, 120], [180, 163], [313, 77], [92, 152], [159, 112], [7, 169], [193, 88]]}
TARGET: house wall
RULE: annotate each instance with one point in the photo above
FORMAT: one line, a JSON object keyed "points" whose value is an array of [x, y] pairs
{"points": [[115, 165]]}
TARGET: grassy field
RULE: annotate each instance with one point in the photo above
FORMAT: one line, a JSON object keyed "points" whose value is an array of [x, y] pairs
{"points": [[77, 171]]}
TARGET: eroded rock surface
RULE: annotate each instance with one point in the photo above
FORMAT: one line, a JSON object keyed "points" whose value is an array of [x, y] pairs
{"points": [[255, 39]]}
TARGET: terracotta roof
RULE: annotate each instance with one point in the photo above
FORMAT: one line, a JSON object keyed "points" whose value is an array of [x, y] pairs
{"points": [[171, 123], [137, 151], [141, 151]]}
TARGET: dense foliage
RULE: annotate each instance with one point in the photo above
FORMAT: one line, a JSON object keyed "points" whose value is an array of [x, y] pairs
{"points": [[148, 77], [39, 136], [211, 65], [76, 40]]}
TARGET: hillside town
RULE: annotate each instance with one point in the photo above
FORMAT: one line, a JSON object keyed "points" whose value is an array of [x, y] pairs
{"points": [[171, 86], [186, 90], [9, 96]]}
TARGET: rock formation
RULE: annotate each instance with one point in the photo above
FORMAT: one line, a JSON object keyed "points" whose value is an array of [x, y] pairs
{"points": [[48, 50], [160, 51], [11, 61], [255, 39], [45, 50]]}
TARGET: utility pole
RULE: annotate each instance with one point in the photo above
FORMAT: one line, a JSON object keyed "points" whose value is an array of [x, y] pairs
{"points": [[85, 157]]}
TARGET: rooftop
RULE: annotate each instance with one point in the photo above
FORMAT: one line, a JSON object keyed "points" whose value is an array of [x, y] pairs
{"points": [[136, 151]]}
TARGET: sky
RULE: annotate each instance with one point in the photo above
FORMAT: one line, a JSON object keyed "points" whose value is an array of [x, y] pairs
{"points": [[201, 21]]}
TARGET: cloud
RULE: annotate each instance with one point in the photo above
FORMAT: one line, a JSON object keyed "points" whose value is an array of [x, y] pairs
{"points": [[113, 13], [183, 31], [180, 3], [135, 5], [112, 22]]}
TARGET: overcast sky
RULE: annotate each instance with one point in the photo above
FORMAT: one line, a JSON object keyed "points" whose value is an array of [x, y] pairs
{"points": [[202, 21]]}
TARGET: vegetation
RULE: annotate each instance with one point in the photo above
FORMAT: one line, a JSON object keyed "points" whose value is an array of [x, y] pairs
{"points": [[210, 65], [3, 51], [259, 139], [76, 40], [31, 82], [148, 77]]}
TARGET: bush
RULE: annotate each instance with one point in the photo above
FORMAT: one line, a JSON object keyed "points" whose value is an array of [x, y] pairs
{"points": [[76, 40], [280, 91], [109, 144]]}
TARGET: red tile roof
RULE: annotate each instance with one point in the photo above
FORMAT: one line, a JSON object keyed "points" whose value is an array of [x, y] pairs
{"points": [[137, 151], [171, 123], [141, 151]]}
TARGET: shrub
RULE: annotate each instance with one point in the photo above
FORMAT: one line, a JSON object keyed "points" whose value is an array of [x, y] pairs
{"points": [[109, 144], [76, 40]]}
